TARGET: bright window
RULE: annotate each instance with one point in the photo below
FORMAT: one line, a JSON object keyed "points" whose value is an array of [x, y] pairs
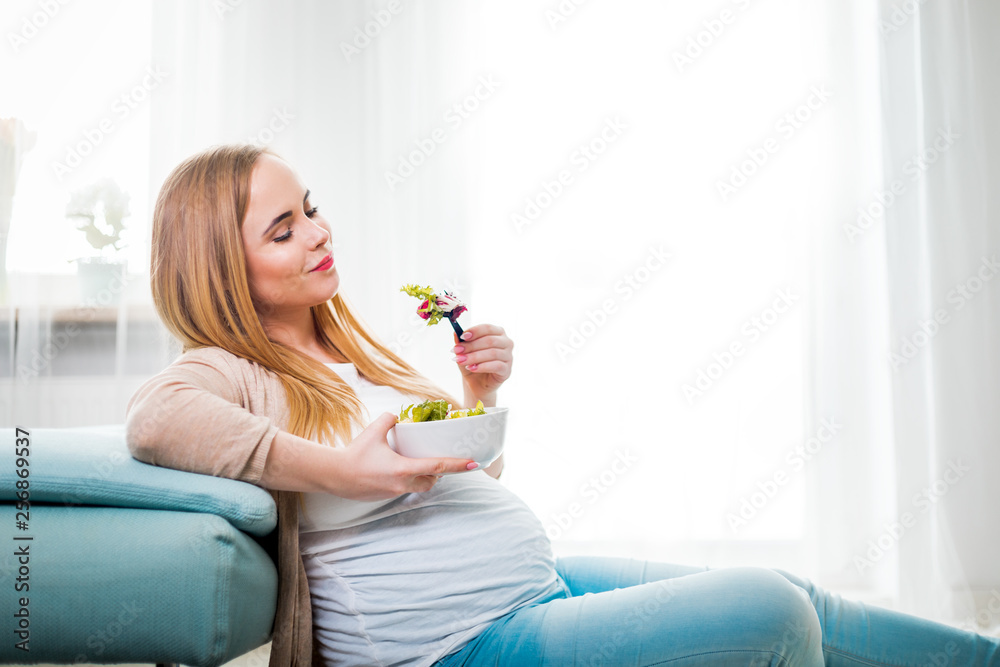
{"points": [[572, 268], [81, 80]]}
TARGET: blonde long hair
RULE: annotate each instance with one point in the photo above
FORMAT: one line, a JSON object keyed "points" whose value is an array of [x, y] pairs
{"points": [[199, 283]]}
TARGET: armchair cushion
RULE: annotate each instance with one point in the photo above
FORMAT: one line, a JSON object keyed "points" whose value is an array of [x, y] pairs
{"points": [[92, 466]]}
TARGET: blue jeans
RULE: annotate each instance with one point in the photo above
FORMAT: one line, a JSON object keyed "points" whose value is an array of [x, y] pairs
{"points": [[628, 612]]}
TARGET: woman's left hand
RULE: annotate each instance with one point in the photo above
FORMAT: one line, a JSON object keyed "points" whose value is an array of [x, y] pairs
{"points": [[484, 358]]}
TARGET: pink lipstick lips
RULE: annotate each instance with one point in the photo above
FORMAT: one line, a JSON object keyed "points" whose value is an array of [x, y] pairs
{"points": [[325, 264]]}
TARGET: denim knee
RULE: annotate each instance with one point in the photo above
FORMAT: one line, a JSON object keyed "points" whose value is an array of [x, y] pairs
{"points": [[783, 617]]}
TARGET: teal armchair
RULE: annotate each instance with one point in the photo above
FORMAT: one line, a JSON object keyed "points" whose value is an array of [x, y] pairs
{"points": [[116, 561]]}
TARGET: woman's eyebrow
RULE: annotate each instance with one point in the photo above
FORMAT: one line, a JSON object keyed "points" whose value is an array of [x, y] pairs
{"points": [[283, 216]]}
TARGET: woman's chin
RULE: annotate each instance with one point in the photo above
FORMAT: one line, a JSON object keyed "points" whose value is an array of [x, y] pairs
{"points": [[332, 286]]}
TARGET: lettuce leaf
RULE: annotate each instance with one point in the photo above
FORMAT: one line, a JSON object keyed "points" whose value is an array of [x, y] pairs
{"points": [[471, 412], [429, 309], [436, 411], [425, 412]]}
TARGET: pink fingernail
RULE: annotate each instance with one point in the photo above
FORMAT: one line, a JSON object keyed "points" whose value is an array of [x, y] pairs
{"points": [[472, 466], [467, 335], [472, 367]]}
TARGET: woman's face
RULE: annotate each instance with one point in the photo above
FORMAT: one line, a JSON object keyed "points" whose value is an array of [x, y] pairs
{"points": [[287, 243]]}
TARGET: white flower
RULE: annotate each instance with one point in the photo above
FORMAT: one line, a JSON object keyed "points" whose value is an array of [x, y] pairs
{"points": [[102, 200], [448, 303]]}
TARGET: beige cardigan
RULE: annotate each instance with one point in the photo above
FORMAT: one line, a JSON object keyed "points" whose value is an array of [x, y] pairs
{"points": [[214, 413]]}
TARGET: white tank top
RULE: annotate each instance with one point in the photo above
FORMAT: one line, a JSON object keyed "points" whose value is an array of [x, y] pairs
{"points": [[409, 580], [322, 511]]}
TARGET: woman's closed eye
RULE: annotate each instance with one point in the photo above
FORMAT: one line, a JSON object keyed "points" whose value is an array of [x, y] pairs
{"points": [[287, 235]]}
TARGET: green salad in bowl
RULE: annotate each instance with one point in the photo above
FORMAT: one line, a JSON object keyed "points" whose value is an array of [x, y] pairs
{"points": [[432, 429], [429, 411]]}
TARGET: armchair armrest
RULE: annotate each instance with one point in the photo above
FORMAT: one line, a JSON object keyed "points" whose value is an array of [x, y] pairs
{"points": [[124, 562], [92, 466]]}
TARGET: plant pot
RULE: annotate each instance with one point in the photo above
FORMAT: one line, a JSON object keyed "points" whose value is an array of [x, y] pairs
{"points": [[101, 280]]}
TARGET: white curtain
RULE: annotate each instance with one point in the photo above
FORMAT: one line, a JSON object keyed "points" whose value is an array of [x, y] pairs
{"points": [[943, 242], [901, 336], [341, 90]]}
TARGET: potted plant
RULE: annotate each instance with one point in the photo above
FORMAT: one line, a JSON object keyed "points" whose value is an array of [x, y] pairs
{"points": [[99, 211]]}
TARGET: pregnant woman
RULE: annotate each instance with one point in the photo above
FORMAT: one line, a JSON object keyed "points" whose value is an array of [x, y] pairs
{"points": [[385, 560]]}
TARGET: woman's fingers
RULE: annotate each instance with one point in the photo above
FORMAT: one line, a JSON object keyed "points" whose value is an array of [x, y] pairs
{"points": [[435, 467], [482, 356], [486, 353], [430, 468], [499, 342], [382, 423], [485, 329], [484, 335]]}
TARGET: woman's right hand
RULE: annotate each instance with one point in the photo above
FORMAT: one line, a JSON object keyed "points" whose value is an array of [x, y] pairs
{"points": [[366, 469], [377, 472]]}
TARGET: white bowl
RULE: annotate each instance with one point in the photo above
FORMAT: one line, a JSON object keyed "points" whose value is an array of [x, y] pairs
{"points": [[479, 438]]}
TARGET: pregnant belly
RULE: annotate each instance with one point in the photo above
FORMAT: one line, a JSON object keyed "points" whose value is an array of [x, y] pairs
{"points": [[442, 567]]}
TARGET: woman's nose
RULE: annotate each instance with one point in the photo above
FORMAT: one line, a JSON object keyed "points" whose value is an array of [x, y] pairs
{"points": [[321, 235]]}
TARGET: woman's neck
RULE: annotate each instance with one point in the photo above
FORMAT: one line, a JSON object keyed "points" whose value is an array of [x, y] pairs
{"points": [[300, 334]]}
